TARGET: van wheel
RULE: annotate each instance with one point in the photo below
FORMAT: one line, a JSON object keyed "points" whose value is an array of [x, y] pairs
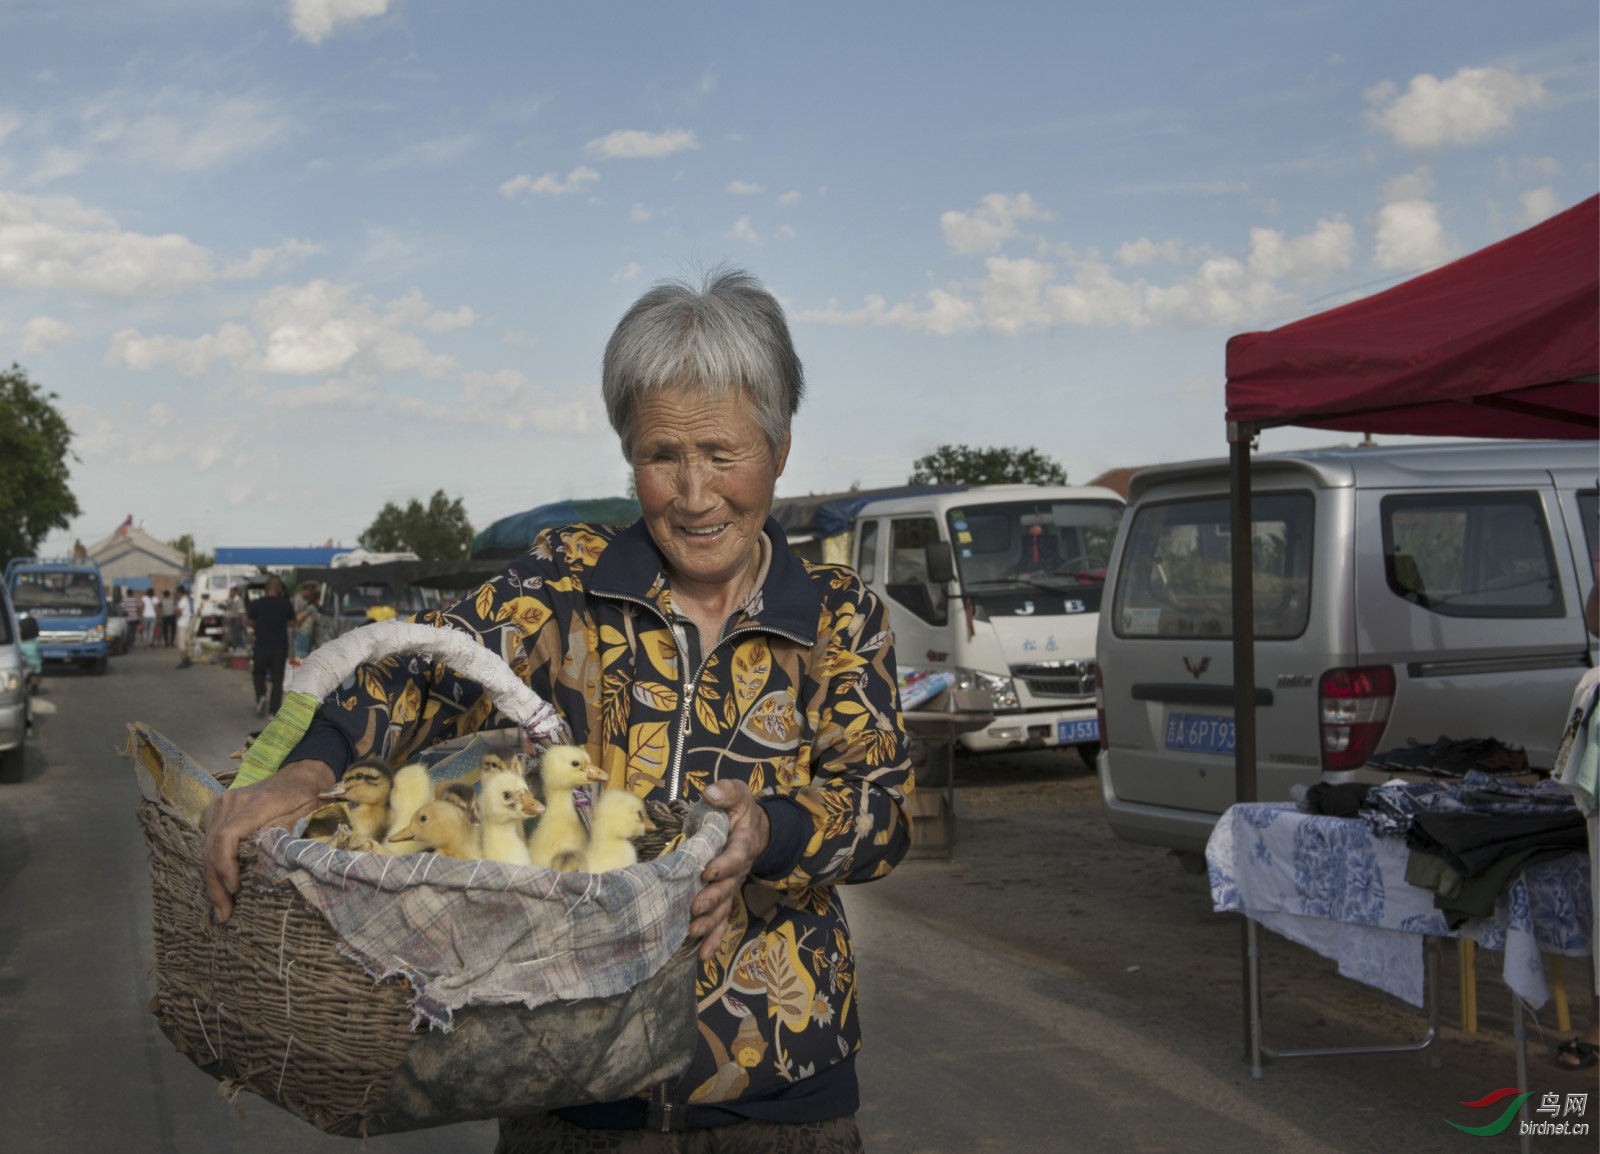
{"points": [[1090, 752], [11, 764]]}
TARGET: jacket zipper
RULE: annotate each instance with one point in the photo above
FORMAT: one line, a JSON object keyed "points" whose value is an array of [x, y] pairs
{"points": [[688, 687]]}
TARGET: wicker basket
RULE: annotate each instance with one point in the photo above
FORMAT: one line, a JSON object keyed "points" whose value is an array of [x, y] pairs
{"points": [[273, 1001]]}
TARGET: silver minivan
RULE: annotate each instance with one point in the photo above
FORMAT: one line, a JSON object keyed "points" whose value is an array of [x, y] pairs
{"points": [[1400, 593], [14, 705]]}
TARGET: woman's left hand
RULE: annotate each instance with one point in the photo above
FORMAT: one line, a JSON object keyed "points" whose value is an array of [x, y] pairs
{"points": [[748, 833]]}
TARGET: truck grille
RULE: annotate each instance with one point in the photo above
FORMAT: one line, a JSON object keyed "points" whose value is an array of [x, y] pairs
{"points": [[62, 637], [1057, 678]]}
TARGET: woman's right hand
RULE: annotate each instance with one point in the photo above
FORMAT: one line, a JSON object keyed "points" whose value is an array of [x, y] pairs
{"points": [[280, 800]]}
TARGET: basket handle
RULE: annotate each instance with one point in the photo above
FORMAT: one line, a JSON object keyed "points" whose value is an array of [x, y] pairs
{"points": [[321, 673]]}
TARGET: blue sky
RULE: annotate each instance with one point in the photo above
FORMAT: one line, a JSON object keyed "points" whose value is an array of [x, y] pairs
{"points": [[287, 261]]}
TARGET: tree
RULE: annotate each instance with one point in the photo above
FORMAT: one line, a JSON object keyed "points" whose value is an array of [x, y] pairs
{"points": [[438, 531], [192, 557], [34, 452], [964, 465]]}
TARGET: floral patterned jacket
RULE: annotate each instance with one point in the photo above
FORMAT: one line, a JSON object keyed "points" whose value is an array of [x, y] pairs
{"points": [[798, 698]]}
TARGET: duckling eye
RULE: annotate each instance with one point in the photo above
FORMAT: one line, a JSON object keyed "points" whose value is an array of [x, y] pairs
{"points": [[507, 796], [423, 819]]}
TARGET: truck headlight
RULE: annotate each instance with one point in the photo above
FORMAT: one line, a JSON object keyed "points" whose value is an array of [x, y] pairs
{"points": [[98, 633], [1002, 692]]}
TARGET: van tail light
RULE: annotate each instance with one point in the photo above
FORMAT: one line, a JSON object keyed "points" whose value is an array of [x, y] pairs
{"points": [[1100, 707], [1354, 706]]}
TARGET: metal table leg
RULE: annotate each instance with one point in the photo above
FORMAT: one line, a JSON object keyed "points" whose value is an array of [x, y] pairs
{"points": [[1259, 1048], [1519, 1034]]}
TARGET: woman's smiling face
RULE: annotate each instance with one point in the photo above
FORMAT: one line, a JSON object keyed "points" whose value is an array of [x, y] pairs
{"points": [[704, 475]]}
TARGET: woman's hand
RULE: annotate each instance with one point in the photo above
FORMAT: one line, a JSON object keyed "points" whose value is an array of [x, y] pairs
{"points": [[280, 800], [748, 833]]}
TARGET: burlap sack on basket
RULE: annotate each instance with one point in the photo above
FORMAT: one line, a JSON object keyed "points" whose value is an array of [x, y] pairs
{"points": [[370, 994]]}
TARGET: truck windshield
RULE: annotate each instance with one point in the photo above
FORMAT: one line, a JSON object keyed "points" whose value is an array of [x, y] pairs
{"points": [[1054, 544], [34, 591]]}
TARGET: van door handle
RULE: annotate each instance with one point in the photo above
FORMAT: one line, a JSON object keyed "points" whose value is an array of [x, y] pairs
{"points": [[1177, 693]]}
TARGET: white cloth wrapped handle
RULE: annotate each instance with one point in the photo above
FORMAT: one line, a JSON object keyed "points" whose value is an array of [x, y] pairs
{"points": [[321, 673]]}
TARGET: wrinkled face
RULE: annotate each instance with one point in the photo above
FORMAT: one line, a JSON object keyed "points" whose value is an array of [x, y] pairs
{"points": [[704, 475]]}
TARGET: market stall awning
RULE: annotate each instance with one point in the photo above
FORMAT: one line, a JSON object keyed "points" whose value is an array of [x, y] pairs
{"points": [[1502, 343]]}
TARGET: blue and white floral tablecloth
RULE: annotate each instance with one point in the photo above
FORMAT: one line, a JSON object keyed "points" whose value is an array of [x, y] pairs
{"points": [[1331, 885]]}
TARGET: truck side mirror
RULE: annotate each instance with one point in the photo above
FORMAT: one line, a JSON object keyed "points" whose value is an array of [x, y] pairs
{"points": [[28, 629], [941, 565]]}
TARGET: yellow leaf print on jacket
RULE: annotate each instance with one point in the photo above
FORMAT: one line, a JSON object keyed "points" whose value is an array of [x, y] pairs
{"points": [[647, 756], [752, 661], [528, 614], [790, 990]]}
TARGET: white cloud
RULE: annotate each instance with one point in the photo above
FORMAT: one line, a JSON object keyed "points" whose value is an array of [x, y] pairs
{"points": [[1410, 236], [785, 231], [318, 329], [331, 394], [789, 199], [59, 243], [640, 214], [1146, 251], [632, 144], [745, 188], [549, 184], [743, 230], [129, 349], [507, 401], [1313, 257], [57, 162], [183, 130], [278, 258], [42, 333], [315, 20], [990, 225], [1409, 185], [1472, 105], [1538, 204], [626, 273]]}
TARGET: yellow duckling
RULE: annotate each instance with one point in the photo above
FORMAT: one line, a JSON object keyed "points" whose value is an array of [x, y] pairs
{"points": [[503, 803], [448, 824], [412, 790], [559, 839], [365, 791], [619, 817]]}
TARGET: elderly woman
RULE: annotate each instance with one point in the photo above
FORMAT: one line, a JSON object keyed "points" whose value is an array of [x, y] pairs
{"points": [[694, 657]]}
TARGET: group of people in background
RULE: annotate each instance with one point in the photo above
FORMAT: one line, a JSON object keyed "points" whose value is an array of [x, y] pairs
{"points": [[153, 618], [279, 622]]}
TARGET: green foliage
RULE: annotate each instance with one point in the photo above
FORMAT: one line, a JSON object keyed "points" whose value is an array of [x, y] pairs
{"points": [[194, 559], [34, 453], [438, 531], [965, 465]]}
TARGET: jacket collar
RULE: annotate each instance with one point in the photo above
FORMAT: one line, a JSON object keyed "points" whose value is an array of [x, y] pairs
{"points": [[633, 568]]}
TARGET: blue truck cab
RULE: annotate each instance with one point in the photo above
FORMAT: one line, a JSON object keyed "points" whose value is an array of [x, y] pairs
{"points": [[67, 599]]}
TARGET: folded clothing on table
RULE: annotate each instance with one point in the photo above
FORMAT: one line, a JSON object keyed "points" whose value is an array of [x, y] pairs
{"points": [[1451, 757], [1391, 807], [1467, 858]]}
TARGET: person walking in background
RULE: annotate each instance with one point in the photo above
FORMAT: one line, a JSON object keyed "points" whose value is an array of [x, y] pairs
{"points": [[150, 611], [169, 620], [132, 612], [233, 614], [270, 619], [307, 621], [186, 623]]}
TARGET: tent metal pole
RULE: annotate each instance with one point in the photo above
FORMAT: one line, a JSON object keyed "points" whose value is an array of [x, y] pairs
{"points": [[1244, 696]]}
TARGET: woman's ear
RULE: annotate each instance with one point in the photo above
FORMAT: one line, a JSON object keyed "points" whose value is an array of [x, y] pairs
{"points": [[782, 457]]}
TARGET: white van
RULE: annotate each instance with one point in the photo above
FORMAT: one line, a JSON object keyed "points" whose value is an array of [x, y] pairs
{"points": [[1000, 584], [1400, 593], [210, 592]]}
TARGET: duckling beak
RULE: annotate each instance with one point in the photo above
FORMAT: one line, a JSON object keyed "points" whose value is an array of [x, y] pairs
{"points": [[649, 826], [407, 834], [334, 793], [595, 773], [531, 806]]}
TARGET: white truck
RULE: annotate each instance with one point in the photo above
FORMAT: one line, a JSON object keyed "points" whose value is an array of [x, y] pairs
{"points": [[999, 584]]}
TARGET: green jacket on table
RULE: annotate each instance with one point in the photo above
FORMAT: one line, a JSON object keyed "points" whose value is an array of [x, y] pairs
{"points": [[798, 698]]}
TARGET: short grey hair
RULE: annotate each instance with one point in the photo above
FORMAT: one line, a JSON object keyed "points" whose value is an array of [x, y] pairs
{"points": [[729, 333]]}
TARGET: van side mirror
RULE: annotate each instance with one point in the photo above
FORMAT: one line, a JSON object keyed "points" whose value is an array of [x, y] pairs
{"points": [[941, 565], [28, 629]]}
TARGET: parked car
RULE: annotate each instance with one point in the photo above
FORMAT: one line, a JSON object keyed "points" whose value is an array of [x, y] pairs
{"points": [[14, 700], [66, 596], [999, 585], [1400, 593]]}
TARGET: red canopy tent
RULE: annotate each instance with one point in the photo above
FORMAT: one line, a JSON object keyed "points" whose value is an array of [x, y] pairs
{"points": [[1504, 342]]}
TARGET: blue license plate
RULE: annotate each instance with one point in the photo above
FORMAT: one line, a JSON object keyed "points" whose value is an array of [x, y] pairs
{"points": [[1073, 732], [1199, 733]]}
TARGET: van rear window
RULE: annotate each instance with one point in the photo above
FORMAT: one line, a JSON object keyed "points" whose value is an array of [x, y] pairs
{"points": [[1472, 554], [1176, 575]]}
